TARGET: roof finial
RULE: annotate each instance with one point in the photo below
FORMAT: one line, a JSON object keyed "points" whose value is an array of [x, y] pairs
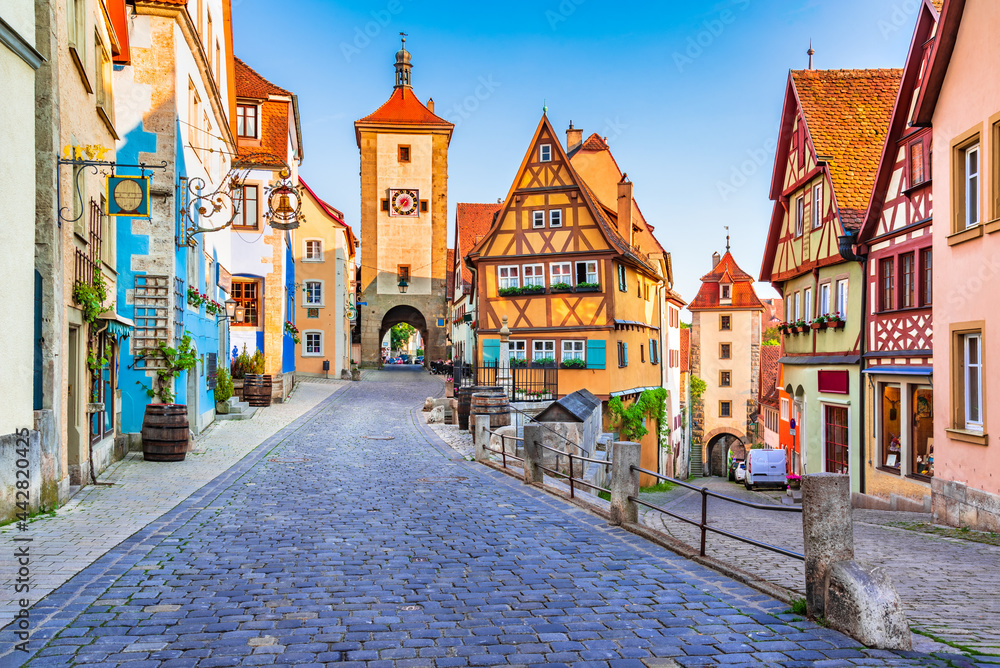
{"points": [[402, 36], [811, 52], [403, 64], [727, 238], [545, 106]]}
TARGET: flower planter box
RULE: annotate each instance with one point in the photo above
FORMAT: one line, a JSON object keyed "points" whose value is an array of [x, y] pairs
{"points": [[533, 290], [556, 291], [588, 288], [818, 325], [837, 324]]}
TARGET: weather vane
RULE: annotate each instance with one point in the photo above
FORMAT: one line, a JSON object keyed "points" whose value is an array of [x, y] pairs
{"points": [[727, 238]]}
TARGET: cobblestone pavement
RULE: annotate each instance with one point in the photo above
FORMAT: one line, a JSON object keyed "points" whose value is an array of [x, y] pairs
{"points": [[940, 580], [357, 537], [98, 517]]}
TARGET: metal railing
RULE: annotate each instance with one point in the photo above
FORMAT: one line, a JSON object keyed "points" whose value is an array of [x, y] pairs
{"points": [[573, 482], [705, 527], [521, 383], [503, 446]]}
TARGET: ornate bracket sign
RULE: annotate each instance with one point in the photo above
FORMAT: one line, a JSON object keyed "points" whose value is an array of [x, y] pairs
{"points": [[128, 196]]}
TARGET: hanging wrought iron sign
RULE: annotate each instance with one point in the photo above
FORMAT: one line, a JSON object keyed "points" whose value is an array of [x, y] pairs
{"points": [[128, 196], [284, 199]]}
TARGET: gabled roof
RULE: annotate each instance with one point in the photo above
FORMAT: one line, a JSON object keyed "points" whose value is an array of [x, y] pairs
{"points": [[847, 115], [926, 20], [685, 349], [768, 369], [403, 108], [742, 293], [944, 45], [252, 85], [594, 143], [472, 223]]}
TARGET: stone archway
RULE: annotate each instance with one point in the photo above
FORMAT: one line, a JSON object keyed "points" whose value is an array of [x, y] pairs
{"points": [[411, 316], [720, 441]]}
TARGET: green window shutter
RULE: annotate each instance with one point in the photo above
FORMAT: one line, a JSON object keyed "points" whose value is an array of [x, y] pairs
{"points": [[625, 349], [491, 351], [654, 352], [596, 351]]}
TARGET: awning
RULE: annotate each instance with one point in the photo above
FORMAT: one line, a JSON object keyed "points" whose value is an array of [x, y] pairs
{"points": [[119, 326], [635, 390], [901, 370]]}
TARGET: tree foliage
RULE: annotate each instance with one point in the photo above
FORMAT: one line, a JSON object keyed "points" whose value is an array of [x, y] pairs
{"points": [[698, 388], [650, 404], [400, 335], [771, 337]]}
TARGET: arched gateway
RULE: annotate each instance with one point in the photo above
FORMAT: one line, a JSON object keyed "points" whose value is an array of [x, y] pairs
{"points": [[404, 213]]}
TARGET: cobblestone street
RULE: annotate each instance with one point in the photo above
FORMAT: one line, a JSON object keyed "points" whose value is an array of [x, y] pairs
{"points": [[355, 536]]}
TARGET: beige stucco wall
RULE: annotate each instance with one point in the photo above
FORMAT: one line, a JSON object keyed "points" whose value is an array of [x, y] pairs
{"points": [[743, 323], [17, 233], [404, 240]]}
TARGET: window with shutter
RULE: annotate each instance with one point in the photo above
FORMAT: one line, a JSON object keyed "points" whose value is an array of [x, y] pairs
{"points": [[596, 350], [491, 351]]}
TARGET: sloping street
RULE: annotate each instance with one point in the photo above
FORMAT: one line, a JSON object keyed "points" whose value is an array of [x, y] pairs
{"points": [[361, 538]]}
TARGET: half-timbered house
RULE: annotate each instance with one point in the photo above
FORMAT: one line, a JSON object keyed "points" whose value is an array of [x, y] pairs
{"points": [[832, 129], [472, 222], [896, 238], [576, 289]]}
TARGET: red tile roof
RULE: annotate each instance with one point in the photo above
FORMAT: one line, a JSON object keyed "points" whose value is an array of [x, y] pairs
{"points": [[743, 294], [472, 222], [403, 106], [847, 113], [685, 349], [594, 143], [252, 85], [768, 369]]}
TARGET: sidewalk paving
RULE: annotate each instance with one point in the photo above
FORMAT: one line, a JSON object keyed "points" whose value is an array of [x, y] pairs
{"points": [[98, 518]]}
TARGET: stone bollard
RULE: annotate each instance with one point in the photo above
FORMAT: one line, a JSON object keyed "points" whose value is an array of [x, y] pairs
{"points": [[454, 411], [827, 531], [624, 481], [533, 472], [481, 437]]}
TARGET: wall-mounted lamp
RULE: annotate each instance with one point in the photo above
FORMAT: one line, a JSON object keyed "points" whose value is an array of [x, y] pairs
{"points": [[403, 285]]}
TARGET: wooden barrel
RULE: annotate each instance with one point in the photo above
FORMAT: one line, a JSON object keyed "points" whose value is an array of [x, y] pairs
{"points": [[257, 390], [492, 402], [165, 433], [464, 395]]}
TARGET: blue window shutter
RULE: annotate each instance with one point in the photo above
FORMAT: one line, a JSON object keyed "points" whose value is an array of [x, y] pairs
{"points": [[596, 350], [491, 350], [625, 348], [654, 353]]}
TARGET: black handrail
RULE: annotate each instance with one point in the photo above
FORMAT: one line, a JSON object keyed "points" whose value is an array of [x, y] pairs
{"points": [[704, 525]]}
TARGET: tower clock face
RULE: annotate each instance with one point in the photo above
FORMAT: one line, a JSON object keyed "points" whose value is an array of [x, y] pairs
{"points": [[403, 203]]}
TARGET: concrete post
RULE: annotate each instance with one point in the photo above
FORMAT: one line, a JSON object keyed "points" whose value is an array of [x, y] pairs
{"points": [[827, 531], [624, 481], [481, 437], [533, 472]]}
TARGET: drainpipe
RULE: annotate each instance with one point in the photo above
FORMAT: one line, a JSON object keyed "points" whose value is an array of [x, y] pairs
{"points": [[849, 250]]}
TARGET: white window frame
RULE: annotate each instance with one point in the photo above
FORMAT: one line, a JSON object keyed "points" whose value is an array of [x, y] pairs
{"points": [[800, 215], [726, 291], [537, 219], [573, 349], [824, 299], [967, 366], [537, 274], [256, 120], [587, 264], [306, 302], [305, 250], [842, 296], [798, 305], [555, 218], [545, 153], [807, 297], [305, 343], [784, 409], [513, 278], [817, 206], [552, 273], [971, 185], [519, 349], [544, 353]]}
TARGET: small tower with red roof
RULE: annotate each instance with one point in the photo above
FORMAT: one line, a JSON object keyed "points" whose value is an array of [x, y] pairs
{"points": [[404, 209]]}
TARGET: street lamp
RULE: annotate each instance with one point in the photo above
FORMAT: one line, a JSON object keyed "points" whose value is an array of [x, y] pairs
{"points": [[403, 284], [230, 308]]}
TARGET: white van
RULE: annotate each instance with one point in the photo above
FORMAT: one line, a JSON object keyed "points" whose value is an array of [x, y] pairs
{"points": [[765, 468]]}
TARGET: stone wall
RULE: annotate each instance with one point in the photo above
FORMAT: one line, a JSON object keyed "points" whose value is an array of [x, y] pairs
{"points": [[752, 400], [956, 504], [697, 419]]}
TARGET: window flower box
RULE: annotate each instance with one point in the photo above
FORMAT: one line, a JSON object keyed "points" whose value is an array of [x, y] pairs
{"points": [[544, 362], [561, 287], [533, 290], [588, 287], [574, 364], [510, 292], [518, 362]]}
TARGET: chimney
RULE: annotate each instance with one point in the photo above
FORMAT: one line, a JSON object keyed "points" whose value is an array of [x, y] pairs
{"points": [[715, 260], [625, 209], [430, 104], [574, 137]]}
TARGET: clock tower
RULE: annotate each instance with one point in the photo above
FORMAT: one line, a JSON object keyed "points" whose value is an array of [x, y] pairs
{"points": [[404, 210]]}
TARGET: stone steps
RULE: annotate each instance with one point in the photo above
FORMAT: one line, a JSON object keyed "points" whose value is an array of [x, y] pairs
{"points": [[238, 410], [696, 470]]}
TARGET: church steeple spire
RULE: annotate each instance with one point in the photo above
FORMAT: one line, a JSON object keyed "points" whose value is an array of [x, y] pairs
{"points": [[403, 64]]}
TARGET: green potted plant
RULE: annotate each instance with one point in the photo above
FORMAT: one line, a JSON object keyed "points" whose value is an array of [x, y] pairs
{"points": [[544, 361], [165, 424], [533, 290], [836, 320], [509, 292], [574, 364], [518, 361], [562, 287], [588, 287], [223, 391]]}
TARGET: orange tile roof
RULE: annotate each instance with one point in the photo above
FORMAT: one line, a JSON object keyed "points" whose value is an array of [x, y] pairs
{"points": [[768, 370], [594, 143], [743, 294], [252, 85], [685, 349], [472, 222], [847, 113], [403, 106]]}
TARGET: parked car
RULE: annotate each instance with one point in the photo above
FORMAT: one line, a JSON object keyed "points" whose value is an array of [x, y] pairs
{"points": [[732, 470], [740, 472], [765, 468], [419, 360]]}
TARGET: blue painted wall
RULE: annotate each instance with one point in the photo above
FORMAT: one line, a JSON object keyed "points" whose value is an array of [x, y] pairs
{"points": [[287, 342]]}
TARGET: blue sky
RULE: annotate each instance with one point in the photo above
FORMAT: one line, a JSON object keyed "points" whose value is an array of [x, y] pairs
{"points": [[688, 93]]}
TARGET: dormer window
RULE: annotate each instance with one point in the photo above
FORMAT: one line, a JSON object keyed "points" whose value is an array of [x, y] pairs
{"points": [[727, 292], [246, 121], [545, 153]]}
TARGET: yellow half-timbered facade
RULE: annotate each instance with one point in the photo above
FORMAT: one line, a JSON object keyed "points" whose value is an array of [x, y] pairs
{"points": [[577, 289]]}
